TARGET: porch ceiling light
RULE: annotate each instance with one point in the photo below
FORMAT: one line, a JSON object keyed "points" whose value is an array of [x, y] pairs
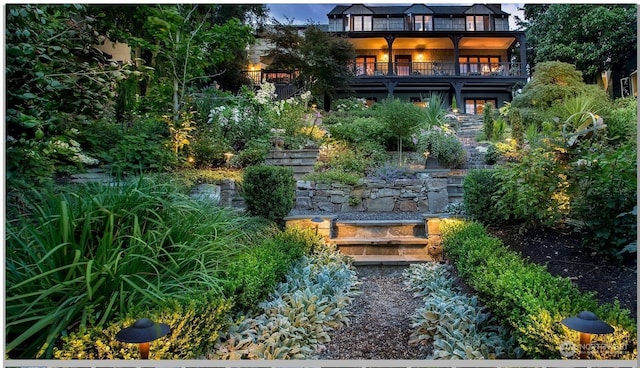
{"points": [[142, 332], [586, 323]]}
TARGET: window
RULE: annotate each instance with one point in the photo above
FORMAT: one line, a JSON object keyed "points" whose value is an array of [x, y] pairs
{"points": [[370, 101], [476, 106], [403, 65], [501, 24], [478, 65], [365, 65], [361, 23], [422, 23], [335, 25], [418, 102], [443, 24], [478, 23]]}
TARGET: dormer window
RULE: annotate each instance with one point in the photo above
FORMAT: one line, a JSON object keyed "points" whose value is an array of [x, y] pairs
{"points": [[422, 23], [361, 23], [478, 23]]}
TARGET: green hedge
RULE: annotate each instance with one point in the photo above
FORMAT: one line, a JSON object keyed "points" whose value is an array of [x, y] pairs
{"points": [[529, 299], [255, 273]]}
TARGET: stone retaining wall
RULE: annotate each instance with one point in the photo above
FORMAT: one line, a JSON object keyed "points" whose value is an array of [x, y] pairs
{"points": [[425, 195]]}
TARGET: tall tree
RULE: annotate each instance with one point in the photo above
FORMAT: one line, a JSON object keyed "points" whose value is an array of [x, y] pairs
{"points": [[593, 37], [326, 59]]}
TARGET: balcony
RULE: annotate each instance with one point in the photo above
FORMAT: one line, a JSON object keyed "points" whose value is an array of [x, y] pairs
{"points": [[437, 70]]}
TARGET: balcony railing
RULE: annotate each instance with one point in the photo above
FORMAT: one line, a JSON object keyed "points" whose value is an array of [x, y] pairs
{"points": [[436, 69], [271, 76]]}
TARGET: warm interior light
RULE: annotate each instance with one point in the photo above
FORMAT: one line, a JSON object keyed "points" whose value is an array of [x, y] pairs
{"points": [[385, 56], [420, 57]]}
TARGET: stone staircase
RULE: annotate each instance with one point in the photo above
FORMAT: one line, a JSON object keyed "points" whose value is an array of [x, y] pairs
{"points": [[93, 175], [380, 242], [300, 161]]}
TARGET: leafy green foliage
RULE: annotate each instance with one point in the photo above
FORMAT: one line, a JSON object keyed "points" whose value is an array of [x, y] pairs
{"points": [[552, 83], [401, 119], [442, 144], [54, 78], [326, 59], [257, 271], [269, 191], [594, 37], [297, 315], [487, 121], [83, 256], [480, 196], [529, 299], [196, 323], [534, 189], [604, 188]]}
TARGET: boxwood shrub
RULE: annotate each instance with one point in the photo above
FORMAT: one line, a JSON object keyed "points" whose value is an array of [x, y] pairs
{"points": [[530, 299], [256, 272], [269, 191]]}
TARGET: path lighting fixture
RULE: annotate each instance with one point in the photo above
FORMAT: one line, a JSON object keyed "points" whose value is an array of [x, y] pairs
{"points": [[227, 158], [142, 332], [587, 323], [317, 220]]}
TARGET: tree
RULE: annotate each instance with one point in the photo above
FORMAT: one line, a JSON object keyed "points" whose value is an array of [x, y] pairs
{"points": [[401, 119], [593, 37], [326, 60], [55, 81]]}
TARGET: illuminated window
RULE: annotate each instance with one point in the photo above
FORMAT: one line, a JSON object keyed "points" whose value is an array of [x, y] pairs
{"points": [[476, 106]]}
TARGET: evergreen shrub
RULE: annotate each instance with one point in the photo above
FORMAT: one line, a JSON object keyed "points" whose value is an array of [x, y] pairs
{"points": [[530, 299], [269, 191]]}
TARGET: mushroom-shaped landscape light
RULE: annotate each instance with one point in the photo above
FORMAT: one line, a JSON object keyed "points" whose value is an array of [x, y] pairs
{"points": [[142, 332], [317, 220], [587, 323]]}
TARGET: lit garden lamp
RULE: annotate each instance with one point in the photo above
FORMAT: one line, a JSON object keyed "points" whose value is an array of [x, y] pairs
{"points": [[317, 220], [587, 323], [142, 332]]}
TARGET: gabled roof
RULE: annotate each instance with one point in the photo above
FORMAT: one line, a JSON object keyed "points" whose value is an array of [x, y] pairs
{"points": [[416, 9]]}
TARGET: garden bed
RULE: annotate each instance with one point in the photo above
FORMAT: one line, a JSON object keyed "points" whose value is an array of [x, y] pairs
{"points": [[563, 256]]}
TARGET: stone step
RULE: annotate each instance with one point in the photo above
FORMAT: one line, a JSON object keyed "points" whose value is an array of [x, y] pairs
{"points": [[390, 260], [293, 154], [382, 241], [289, 161], [379, 229]]}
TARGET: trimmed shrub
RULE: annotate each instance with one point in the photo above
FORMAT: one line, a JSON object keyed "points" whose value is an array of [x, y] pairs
{"points": [[530, 299], [255, 273], [269, 191], [487, 121]]}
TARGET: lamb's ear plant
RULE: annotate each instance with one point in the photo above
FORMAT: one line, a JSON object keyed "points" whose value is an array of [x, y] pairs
{"points": [[456, 324], [298, 314]]}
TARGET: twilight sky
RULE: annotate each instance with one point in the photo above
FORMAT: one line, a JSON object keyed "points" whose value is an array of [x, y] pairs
{"points": [[302, 13]]}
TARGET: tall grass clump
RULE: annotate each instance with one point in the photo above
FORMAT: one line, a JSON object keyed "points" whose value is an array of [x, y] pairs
{"points": [[79, 258]]}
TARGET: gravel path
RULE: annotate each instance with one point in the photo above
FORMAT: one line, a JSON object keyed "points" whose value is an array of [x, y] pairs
{"points": [[380, 321]]}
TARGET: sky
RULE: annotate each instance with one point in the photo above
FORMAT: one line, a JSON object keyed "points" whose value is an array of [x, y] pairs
{"points": [[303, 13]]}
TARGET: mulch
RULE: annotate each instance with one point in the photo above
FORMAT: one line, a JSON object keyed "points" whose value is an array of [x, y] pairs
{"points": [[563, 255]]}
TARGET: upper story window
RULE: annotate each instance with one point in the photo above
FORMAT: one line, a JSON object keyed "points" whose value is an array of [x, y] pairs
{"points": [[336, 25], [448, 24], [361, 23], [422, 23], [388, 24], [501, 24], [478, 23]]}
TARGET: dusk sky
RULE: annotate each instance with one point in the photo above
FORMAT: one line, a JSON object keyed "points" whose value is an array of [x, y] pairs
{"points": [[302, 13]]}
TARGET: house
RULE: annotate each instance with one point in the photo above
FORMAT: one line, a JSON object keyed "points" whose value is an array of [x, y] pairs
{"points": [[413, 51]]}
